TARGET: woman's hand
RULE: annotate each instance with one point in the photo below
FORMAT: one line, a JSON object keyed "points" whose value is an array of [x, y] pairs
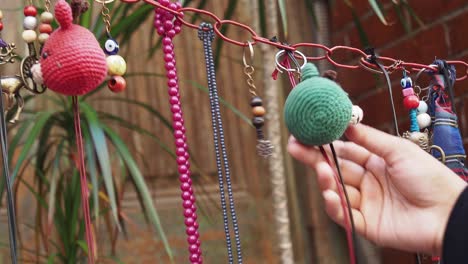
{"points": [[401, 196]]}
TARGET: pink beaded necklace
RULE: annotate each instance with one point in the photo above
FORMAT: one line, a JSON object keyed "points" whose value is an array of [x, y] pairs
{"points": [[167, 27]]}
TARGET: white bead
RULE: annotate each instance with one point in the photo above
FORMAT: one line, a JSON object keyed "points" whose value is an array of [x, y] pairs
{"points": [[1, 14], [47, 17], [424, 120], [422, 108], [116, 65], [356, 115], [30, 22], [43, 37], [36, 71], [29, 36]]}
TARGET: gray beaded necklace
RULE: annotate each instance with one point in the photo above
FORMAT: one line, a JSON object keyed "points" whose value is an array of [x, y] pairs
{"points": [[206, 34]]}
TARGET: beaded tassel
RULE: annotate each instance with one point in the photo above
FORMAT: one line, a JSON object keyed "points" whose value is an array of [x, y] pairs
{"points": [[30, 24], [206, 34], [264, 147], [45, 28], [116, 65], [419, 119], [167, 28]]}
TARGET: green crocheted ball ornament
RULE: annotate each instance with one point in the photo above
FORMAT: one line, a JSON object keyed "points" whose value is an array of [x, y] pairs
{"points": [[317, 111]]}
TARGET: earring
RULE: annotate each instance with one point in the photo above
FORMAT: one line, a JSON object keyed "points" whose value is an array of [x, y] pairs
{"points": [[116, 64], [419, 119], [264, 147]]}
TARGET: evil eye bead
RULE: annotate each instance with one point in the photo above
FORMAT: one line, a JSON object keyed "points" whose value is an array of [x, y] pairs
{"points": [[111, 47], [406, 82]]}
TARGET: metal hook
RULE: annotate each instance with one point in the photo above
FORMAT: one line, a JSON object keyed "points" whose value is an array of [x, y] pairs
{"points": [[252, 53], [281, 68]]}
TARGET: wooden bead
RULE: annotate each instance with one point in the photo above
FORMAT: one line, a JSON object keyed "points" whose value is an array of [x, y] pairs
{"points": [[117, 84], [47, 17], [45, 28], [29, 22], [43, 37], [29, 36], [116, 65], [30, 11], [256, 101], [258, 122], [258, 111]]}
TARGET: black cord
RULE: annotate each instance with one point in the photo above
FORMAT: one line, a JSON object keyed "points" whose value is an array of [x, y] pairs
{"points": [[348, 203], [8, 184], [206, 34], [418, 258], [373, 59]]}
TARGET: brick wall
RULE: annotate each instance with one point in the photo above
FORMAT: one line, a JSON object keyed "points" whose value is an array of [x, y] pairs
{"points": [[442, 36]]}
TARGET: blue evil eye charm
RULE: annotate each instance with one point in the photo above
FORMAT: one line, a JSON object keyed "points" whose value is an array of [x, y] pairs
{"points": [[406, 82], [111, 47]]}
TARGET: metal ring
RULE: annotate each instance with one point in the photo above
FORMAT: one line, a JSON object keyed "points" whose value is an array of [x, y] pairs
{"points": [[363, 65], [442, 152], [217, 30], [313, 45], [252, 53], [104, 1], [183, 10], [281, 68]]}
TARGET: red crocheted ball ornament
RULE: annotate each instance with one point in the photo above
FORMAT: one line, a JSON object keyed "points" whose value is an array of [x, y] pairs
{"points": [[72, 62]]}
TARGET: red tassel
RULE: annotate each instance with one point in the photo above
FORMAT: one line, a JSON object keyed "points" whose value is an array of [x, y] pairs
{"points": [[83, 181]]}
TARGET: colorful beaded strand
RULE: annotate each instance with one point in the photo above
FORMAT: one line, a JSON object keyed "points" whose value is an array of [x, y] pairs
{"points": [[168, 28]]}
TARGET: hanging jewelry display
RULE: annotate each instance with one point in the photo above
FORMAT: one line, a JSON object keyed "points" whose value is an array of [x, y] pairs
{"points": [[264, 147], [168, 28], [206, 34]]}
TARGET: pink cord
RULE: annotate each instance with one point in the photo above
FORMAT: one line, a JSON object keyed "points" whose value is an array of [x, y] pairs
{"points": [[83, 180]]}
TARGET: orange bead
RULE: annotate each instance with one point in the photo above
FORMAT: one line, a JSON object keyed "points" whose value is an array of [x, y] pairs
{"points": [[45, 28], [258, 111], [117, 84]]}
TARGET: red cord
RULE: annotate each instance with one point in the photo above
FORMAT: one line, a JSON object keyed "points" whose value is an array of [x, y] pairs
{"points": [[349, 235], [83, 180]]}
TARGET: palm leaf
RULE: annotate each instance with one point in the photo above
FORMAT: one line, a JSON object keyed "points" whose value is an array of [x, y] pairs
{"points": [[101, 149], [284, 16], [376, 6], [140, 184]]}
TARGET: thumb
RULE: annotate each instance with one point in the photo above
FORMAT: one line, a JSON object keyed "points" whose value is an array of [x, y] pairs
{"points": [[376, 141]]}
